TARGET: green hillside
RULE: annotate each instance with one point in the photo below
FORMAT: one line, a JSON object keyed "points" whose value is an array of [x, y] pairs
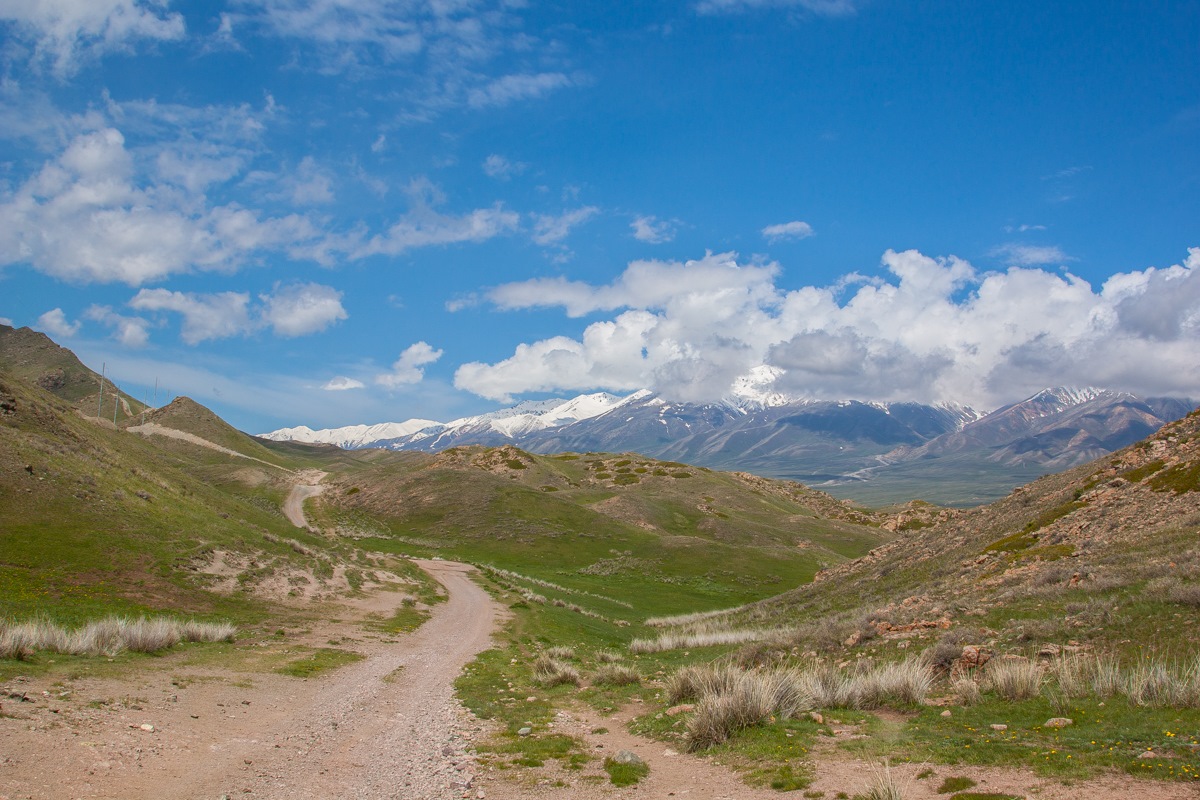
{"points": [[662, 535]]}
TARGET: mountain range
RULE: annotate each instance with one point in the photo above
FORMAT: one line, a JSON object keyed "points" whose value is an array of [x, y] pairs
{"points": [[876, 453]]}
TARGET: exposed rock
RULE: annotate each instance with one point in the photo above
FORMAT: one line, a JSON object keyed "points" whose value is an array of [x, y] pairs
{"points": [[682, 708], [974, 656], [1058, 722], [628, 757]]}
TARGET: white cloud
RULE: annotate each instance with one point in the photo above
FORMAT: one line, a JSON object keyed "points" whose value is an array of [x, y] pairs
{"points": [[205, 316], [336, 25], [302, 309], [652, 230], [1027, 255], [342, 384], [307, 185], [54, 322], [84, 218], [6, 321], [409, 367], [500, 168], [295, 310], [129, 331], [826, 8], [644, 284], [932, 330], [66, 32], [787, 230], [422, 226], [513, 88], [549, 229]]}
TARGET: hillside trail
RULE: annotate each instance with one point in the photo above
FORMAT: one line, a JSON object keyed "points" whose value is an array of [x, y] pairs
{"points": [[154, 429]]}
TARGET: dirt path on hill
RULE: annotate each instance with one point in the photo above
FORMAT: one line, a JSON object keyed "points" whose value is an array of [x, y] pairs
{"points": [[384, 727], [154, 429], [308, 484]]}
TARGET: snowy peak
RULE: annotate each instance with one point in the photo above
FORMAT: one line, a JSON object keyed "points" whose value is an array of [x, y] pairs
{"points": [[351, 436]]}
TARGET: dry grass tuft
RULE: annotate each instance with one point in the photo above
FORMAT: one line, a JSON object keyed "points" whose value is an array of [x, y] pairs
{"points": [[1014, 679], [616, 675], [107, 637], [549, 671]]}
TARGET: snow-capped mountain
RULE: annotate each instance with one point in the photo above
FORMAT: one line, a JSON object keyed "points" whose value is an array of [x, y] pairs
{"points": [[821, 442], [350, 437]]}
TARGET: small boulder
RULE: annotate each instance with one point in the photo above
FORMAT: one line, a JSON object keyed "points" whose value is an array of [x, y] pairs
{"points": [[628, 757], [999, 727], [524, 731], [682, 708], [1058, 722]]}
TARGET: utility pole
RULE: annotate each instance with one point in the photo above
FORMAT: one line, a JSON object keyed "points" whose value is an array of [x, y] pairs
{"points": [[100, 399]]}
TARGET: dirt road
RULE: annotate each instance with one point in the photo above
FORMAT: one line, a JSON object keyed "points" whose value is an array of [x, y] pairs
{"points": [[307, 485], [384, 727]]}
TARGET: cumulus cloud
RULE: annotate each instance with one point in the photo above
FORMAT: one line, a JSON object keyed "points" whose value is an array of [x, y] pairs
{"points": [[409, 367], [929, 330], [6, 321], [129, 331], [295, 310], [84, 217], [549, 229], [500, 168], [644, 284], [343, 384], [652, 230], [54, 322], [302, 309], [205, 316], [787, 230], [64, 33]]}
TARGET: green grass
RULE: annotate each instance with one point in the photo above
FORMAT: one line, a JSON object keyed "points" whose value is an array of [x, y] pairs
{"points": [[625, 774], [955, 784], [324, 659], [1109, 734]]}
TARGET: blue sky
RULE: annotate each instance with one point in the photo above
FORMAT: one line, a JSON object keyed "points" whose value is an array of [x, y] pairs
{"points": [[328, 212]]}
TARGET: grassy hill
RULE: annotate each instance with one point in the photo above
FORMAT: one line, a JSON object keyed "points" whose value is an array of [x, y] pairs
{"points": [[28, 355], [662, 535], [96, 520]]}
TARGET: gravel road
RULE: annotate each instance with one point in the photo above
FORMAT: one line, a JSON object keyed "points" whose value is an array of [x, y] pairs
{"points": [[384, 727]]}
